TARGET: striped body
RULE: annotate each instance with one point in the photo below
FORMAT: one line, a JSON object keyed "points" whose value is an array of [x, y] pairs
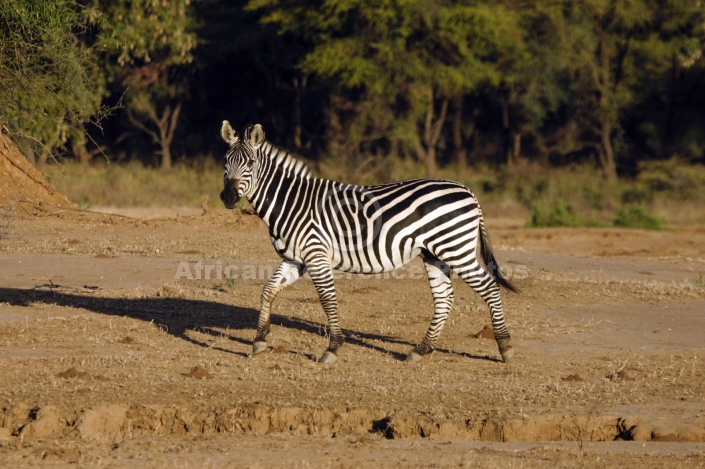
{"points": [[320, 226], [370, 229]]}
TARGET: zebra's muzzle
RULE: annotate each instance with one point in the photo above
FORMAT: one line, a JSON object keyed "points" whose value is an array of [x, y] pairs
{"points": [[230, 196]]}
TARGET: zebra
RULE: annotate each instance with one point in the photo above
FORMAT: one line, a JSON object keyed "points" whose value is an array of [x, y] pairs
{"points": [[317, 226]]}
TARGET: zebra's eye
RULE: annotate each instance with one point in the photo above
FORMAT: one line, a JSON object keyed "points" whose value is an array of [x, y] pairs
{"points": [[250, 163]]}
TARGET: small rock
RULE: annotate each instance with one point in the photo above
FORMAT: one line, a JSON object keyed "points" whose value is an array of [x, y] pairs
{"points": [[485, 333], [622, 375], [199, 373], [72, 373], [573, 378]]}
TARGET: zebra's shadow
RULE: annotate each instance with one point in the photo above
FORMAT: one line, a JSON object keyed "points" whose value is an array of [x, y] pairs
{"points": [[179, 316]]}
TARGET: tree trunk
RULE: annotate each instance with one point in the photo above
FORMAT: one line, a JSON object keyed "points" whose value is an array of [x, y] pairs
{"points": [[430, 163], [432, 134], [461, 152], [504, 104], [80, 151], [603, 83], [516, 149], [607, 160], [512, 137], [166, 129], [166, 157], [299, 87]]}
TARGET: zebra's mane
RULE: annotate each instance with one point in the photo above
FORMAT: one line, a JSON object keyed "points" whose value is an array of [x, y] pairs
{"points": [[286, 161]]}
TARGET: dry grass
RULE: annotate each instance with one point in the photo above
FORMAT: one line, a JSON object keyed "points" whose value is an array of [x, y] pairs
{"points": [[669, 190]]}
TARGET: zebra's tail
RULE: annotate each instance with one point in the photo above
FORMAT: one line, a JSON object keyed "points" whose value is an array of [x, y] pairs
{"points": [[490, 261]]}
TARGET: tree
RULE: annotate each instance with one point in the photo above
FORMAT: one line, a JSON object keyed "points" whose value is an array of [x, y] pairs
{"points": [[534, 75], [403, 63], [147, 48], [665, 75], [604, 33], [247, 72], [49, 85]]}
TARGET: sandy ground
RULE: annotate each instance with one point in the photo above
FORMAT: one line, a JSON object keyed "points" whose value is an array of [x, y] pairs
{"points": [[125, 341]]}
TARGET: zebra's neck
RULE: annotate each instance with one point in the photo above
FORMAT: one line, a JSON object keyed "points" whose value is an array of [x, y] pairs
{"points": [[278, 171], [278, 158]]}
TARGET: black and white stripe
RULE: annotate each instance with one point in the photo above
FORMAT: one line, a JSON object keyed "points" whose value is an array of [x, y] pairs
{"points": [[317, 225]]}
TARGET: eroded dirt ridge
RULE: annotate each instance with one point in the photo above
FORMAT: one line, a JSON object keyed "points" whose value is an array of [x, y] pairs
{"points": [[117, 422]]}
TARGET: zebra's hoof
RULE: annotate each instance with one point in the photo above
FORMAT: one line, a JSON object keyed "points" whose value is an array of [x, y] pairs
{"points": [[507, 353], [328, 357], [413, 357], [259, 347]]}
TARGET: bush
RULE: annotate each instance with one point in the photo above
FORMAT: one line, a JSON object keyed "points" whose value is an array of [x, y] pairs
{"points": [[561, 214], [636, 216], [637, 193], [674, 179], [50, 86]]}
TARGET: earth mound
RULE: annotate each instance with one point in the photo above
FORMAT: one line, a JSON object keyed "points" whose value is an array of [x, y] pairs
{"points": [[22, 184]]}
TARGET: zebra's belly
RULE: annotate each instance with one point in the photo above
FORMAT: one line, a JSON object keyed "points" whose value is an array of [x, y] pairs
{"points": [[359, 261], [287, 252], [366, 262]]}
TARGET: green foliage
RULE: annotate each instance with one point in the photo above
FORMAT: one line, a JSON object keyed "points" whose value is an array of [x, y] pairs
{"points": [[370, 89], [674, 178], [559, 215], [230, 281], [146, 46], [565, 76], [636, 216], [404, 58], [139, 32], [49, 85], [637, 194]]}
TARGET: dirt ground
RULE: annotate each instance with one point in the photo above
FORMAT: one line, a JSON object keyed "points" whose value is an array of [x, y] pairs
{"points": [[125, 341]]}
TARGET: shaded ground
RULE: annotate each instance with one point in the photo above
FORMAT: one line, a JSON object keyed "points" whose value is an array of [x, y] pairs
{"points": [[116, 348]]}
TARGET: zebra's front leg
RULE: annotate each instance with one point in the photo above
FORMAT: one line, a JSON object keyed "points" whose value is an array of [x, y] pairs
{"points": [[287, 273], [322, 275], [438, 274]]}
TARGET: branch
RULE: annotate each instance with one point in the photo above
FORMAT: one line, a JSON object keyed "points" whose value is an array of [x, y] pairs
{"points": [[13, 134], [137, 123], [173, 121]]}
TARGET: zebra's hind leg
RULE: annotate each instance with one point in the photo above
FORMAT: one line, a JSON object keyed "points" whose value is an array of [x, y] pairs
{"points": [[322, 275], [442, 290], [286, 274], [488, 288]]}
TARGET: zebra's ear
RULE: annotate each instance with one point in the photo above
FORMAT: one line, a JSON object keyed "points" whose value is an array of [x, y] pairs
{"points": [[257, 135], [228, 134]]}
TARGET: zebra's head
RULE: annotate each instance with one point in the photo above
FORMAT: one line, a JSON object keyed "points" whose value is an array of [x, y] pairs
{"points": [[240, 162]]}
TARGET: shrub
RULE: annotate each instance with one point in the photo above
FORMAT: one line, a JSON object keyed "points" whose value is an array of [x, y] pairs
{"points": [[561, 214], [637, 193], [636, 216], [50, 86]]}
